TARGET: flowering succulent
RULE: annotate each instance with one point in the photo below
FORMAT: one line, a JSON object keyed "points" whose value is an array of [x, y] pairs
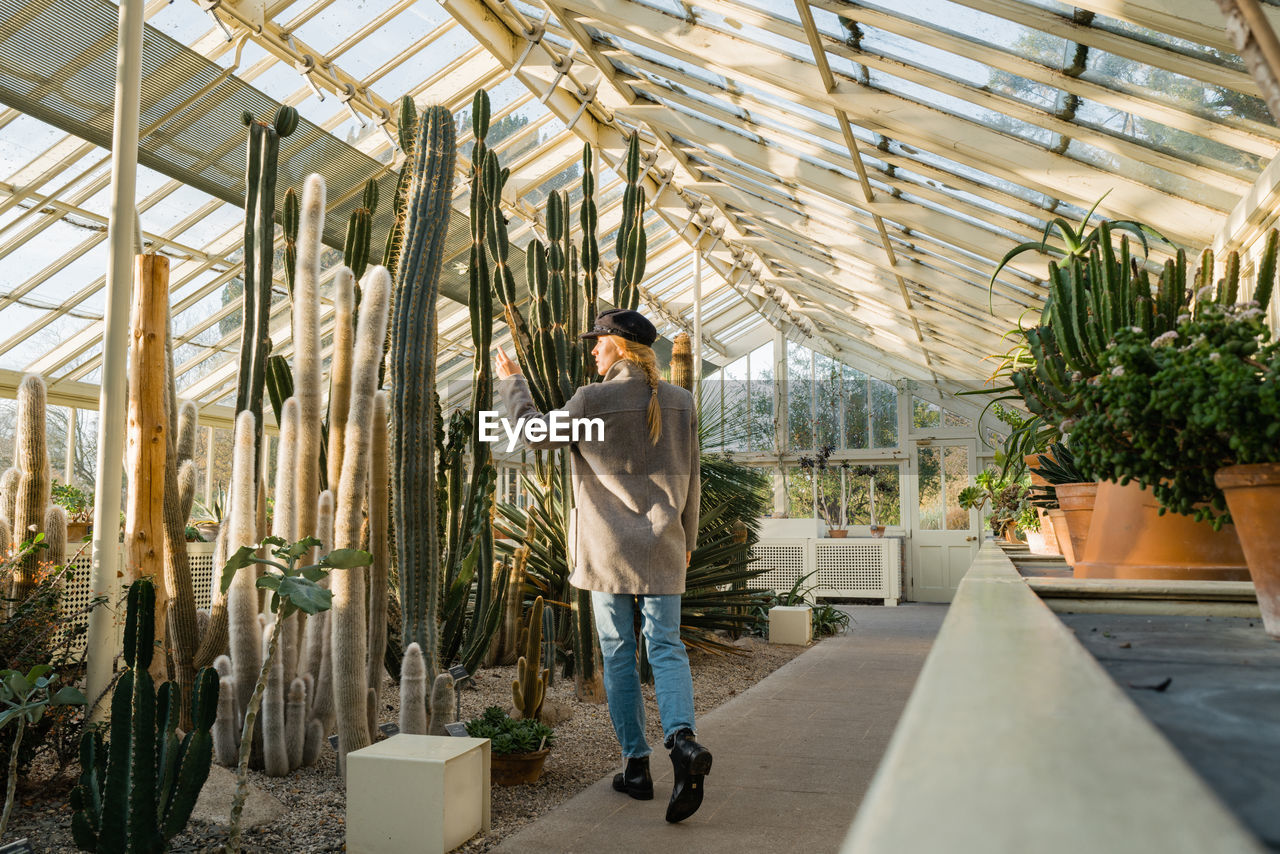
{"points": [[1170, 412]]}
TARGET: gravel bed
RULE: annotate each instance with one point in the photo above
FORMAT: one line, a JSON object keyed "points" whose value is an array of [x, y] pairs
{"points": [[315, 803]]}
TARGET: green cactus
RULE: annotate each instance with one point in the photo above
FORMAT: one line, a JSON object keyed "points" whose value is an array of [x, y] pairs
{"points": [[529, 688], [289, 220], [355, 251], [632, 245], [137, 793], [413, 366], [259, 250]]}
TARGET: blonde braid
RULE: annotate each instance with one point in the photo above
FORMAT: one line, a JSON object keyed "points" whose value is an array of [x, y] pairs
{"points": [[648, 361]]}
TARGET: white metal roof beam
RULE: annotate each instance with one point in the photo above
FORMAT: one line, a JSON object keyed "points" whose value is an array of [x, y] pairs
{"points": [[1013, 159]]}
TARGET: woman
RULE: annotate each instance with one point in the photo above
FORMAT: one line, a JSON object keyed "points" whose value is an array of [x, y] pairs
{"points": [[631, 537]]}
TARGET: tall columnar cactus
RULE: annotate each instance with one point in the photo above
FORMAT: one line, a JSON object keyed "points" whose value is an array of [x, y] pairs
{"points": [[413, 367], [406, 132], [344, 333], [242, 597], [307, 353], [9, 493], [355, 252], [529, 688], [182, 637], [275, 747], [349, 632], [31, 492], [632, 241], [379, 507], [259, 251], [508, 643], [588, 219], [289, 218], [682, 362], [137, 793], [55, 535]]}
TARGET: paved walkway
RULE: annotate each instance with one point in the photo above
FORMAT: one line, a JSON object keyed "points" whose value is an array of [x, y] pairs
{"points": [[792, 756]]}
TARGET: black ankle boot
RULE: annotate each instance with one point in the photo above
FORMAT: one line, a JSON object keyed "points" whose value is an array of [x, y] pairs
{"points": [[635, 781], [690, 762]]}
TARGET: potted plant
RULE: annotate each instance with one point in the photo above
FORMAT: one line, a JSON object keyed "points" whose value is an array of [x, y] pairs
{"points": [[519, 747], [1003, 494], [78, 505], [1167, 414]]}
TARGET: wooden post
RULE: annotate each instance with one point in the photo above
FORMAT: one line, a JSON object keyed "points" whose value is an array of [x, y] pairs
{"points": [[147, 436]]}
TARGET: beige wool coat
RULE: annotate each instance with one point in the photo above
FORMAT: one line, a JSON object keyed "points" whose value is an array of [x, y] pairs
{"points": [[635, 507]]}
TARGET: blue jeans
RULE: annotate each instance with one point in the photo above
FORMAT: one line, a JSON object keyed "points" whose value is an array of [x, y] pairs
{"points": [[673, 683]]}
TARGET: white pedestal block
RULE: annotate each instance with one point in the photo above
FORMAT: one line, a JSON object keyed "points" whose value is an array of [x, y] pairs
{"points": [[790, 624], [422, 793]]}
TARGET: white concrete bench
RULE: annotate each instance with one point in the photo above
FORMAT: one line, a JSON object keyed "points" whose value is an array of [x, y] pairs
{"points": [[422, 793]]}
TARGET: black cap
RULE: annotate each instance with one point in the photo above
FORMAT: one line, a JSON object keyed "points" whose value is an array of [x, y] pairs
{"points": [[624, 323]]}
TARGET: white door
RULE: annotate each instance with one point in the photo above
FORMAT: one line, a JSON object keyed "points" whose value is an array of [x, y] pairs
{"points": [[944, 536]]}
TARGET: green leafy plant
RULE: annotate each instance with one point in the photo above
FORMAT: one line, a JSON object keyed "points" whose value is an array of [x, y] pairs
{"points": [[1169, 413], [293, 588], [77, 502], [37, 626], [509, 735], [828, 620], [26, 697]]}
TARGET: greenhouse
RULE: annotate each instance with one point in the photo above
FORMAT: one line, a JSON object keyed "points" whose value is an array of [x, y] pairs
{"points": [[435, 425]]}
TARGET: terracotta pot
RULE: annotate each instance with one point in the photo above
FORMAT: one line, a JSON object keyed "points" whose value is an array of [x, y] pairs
{"points": [[1035, 542], [1059, 520], [1011, 533], [1253, 496], [1076, 501], [837, 533], [76, 532], [877, 531], [1133, 541], [1051, 546], [1033, 466], [514, 769]]}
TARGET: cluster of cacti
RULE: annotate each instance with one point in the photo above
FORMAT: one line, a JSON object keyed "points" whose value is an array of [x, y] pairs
{"points": [[137, 792], [529, 688], [261, 164], [563, 290], [325, 652], [413, 376], [506, 646], [1090, 297], [420, 714], [25, 508]]}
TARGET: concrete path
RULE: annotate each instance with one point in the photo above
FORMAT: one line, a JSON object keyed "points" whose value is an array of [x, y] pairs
{"points": [[792, 756]]}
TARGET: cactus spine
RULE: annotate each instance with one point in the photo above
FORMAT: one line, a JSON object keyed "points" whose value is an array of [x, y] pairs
{"points": [[413, 692], [349, 633], [138, 793], [529, 688], [413, 365]]}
